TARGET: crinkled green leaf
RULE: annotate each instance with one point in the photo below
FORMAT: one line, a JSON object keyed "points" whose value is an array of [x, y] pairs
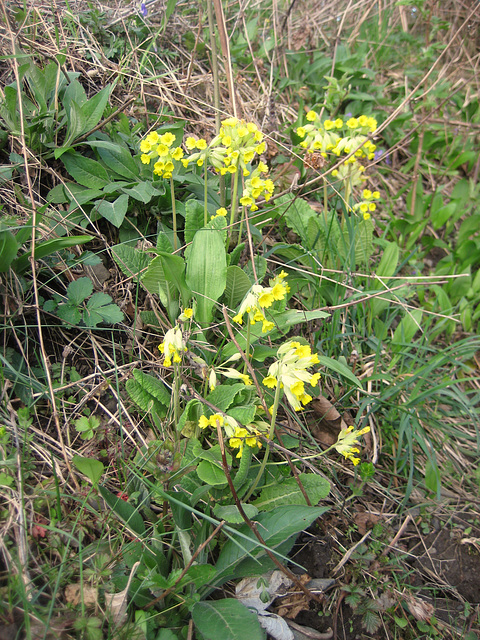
{"points": [[131, 261], [227, 619], [288, 492]]}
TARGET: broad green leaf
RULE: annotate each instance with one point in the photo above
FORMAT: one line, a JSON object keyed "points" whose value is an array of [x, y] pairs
{"points": [[213, 454], [237, 286], [79, 290], [407, 328], [114, 211], [92, 109], [227, 619], [223, 395], [296, 212], [199, 575], [75, 124], [117, 158], [69, 313], [131, 261], [194, 218], [148, 391], [91, 468], [211, 474], [174, 270], [124, 510], [85, 171], [231, 514], [432, 478], [8, 249], [20, 265], [340, 368], [155, 282], [143, 192], [288, 492], [207, 272], [244, 414], [363, 241], [100, 306], [276, 527]]}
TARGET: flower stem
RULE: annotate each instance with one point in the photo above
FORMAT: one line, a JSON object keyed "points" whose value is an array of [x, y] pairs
{"points": [[233, 213], [247, 348], [205, 199], [276, 402], [174, 213], [176, 397]]}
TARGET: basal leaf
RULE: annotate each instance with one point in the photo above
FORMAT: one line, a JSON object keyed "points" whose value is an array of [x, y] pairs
{"points": [[194, 218], [211, 474], [79, 290], [340, 368], [114, 211], [231, 513], [207, 271], [85, 171], [288, 492], [148, 391], [237, 286], [227, 619], [131, 261], [92, 109], [93, 469]]}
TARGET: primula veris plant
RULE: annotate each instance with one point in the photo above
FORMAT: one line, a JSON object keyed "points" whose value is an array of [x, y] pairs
{"points": [[260, 298], [347, 443]]}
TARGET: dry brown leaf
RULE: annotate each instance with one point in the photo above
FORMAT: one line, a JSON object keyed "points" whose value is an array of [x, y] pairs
{"points": [[116, 603], [73, 594], [365, 521], [327, 421], [418, 608], [292, 604]]}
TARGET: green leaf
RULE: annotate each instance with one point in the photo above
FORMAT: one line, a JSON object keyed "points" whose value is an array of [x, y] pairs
{"points": [[148, 392], [223, 395], [100, 306], [276, 527], [212, 474], [297, 213], [340, 368], [228, 619], [407, 328], [124, 510], [231, 514], [174, 270], [194, 218], [143, 191], [91, 468], [114, 211], [432, 477], [207, 272], [288, 492], [20, 265], [155, 282], [69, 313], [79, 290], [117, 158], [237, 286], [92, 109], [85, 171], [131, 261], [8, 249], [75, 126]]}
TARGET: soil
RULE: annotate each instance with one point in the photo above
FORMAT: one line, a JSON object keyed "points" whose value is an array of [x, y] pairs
{"points": [[442, 568]]}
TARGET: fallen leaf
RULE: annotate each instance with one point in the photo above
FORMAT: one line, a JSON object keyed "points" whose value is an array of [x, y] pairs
{"points": [[365, 521], [325, 421], [73, 594], [116, 603], [418, 608]]}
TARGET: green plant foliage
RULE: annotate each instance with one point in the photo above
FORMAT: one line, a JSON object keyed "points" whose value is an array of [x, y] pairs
{"points": [[227, 617]]}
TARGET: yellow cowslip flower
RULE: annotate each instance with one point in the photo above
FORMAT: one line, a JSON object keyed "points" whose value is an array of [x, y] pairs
{"points": [[167, 138], [339, 123], [187, 314], [145, 146], [173, 346], [190, 143], [366, 216], [203, 422], [352, 123], [145, 159], [347, 441], [328, 124], [290, 372], [311, 116], [244, 436]]}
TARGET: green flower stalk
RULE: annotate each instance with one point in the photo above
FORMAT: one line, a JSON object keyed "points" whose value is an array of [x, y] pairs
{"points": [[288, 374], [159, 148]]}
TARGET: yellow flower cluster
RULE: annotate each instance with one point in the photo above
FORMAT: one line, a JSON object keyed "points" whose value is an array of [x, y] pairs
{"points": [[173, 346], [260, 298], [160, 146], [290, 372], [235, 147], [256, 186], [347, 441], [339, 137], [366, 206], [238, 436]]}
